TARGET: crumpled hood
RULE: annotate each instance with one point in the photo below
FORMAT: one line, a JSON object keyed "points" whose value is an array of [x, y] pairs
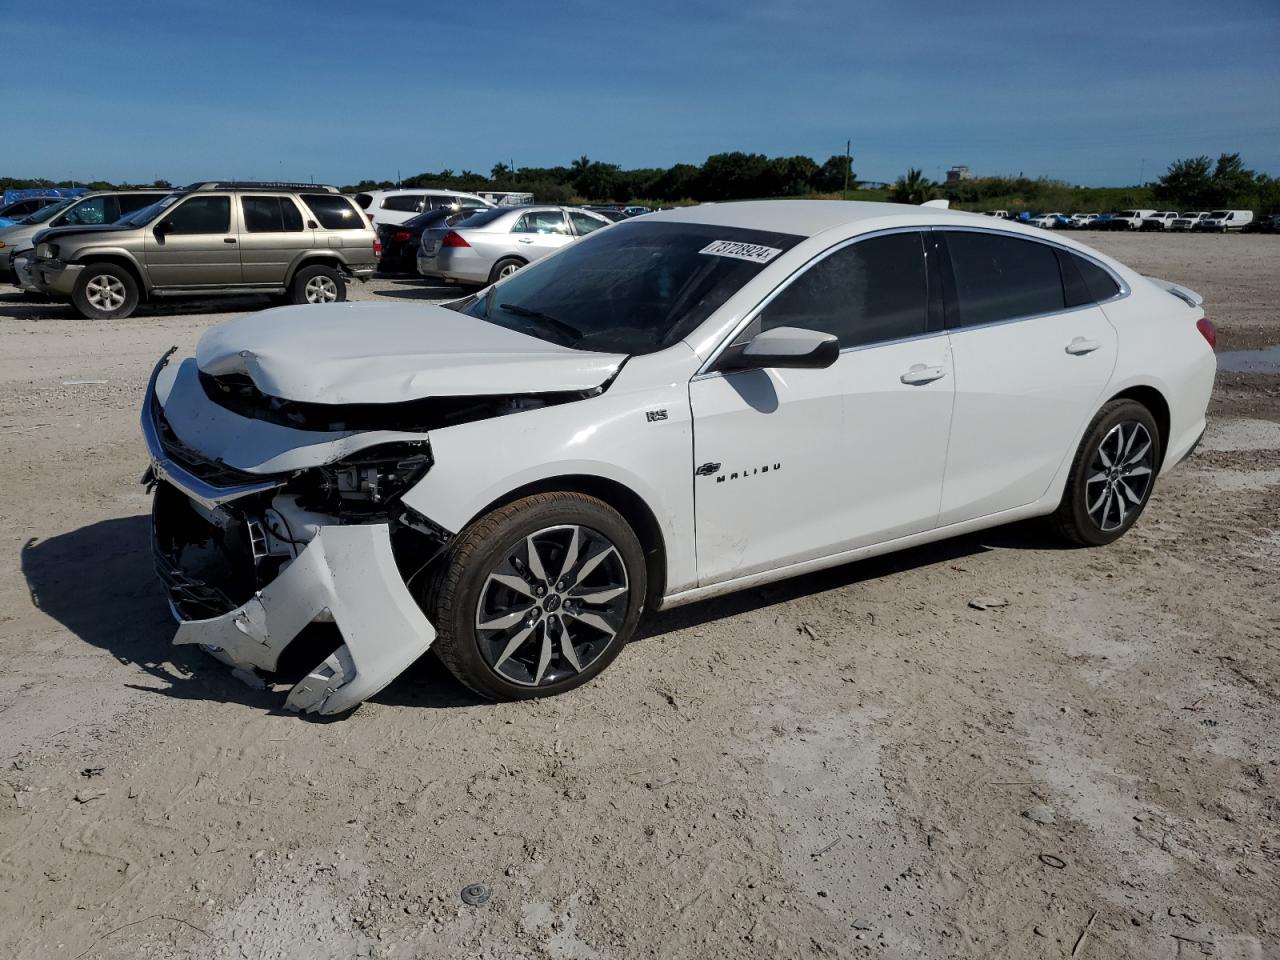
{"points": [[387, 353]]}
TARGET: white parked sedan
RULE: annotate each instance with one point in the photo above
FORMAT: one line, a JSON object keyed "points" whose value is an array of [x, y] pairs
{"points": [[689, 403]]}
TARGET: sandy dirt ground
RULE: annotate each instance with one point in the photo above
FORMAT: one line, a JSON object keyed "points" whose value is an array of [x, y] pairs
{"points": [[853, 764]]}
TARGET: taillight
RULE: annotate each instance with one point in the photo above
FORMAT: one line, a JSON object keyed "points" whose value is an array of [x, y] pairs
{"points": [[377, 247], [401, 236], [1208, 331], [452, 239]]}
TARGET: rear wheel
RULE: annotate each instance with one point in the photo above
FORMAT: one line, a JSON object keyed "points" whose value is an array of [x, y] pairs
{"points": [[1111, 476], [105, 291], [538, 597], [504, 268], [318, 285]]}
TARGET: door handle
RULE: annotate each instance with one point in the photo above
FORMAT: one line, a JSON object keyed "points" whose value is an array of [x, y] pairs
{"points": [[524, 240], [228, 239], [920, 373], [1080, 346]]}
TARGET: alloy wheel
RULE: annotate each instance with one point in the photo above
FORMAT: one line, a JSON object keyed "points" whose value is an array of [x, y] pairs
{"points": [[321, 289], [508, 270], [1120, 475], [105, 292], [552, 605]]}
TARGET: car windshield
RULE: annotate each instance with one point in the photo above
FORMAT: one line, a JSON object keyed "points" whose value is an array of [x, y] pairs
{"points": [[148, 213], [635, 288], [49, 212]]}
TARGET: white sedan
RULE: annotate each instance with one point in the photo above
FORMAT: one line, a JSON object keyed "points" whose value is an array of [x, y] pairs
{"points": [[689, 403]]}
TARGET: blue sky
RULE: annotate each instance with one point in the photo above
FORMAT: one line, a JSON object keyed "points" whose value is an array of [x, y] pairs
{"points": [[1090, 92]]}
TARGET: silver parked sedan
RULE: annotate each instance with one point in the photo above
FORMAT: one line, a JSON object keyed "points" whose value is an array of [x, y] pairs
{"points": [[493, 244]]}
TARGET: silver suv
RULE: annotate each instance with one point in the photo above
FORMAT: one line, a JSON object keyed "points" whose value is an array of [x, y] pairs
{"points": [[301, 240]]}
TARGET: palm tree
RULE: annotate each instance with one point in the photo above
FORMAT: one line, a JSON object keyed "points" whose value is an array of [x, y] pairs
{"points": [[915, 188], [580, 165]]}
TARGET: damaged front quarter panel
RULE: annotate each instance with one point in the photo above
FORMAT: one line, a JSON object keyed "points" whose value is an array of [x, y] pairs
{"points": [[350, 573]]}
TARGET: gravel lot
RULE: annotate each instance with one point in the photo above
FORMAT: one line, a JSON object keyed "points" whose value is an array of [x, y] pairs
{"points": [[855, 763]]}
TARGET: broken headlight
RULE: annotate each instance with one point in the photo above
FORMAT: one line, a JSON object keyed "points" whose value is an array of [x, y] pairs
{"points": [[47, 251], [366, 481]]}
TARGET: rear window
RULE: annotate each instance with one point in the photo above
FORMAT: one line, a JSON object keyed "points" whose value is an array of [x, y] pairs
{"points": [[485, 217], [634, 288], [363, 199], [334, 211]]}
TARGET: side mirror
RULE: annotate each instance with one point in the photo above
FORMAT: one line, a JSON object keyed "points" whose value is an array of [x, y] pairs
{"points": [[164, 227], [786, 347]]}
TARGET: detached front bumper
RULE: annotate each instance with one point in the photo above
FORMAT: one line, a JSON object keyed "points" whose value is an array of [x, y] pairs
{"points": [[345, 574]]}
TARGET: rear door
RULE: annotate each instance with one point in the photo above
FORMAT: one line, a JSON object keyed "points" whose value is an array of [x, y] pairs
{"points": [[195, 243], [272, 234], [1033, 353], [540, 232]]}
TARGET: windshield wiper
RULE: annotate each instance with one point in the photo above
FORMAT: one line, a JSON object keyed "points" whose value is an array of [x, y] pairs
{"points": [[567, 329]]}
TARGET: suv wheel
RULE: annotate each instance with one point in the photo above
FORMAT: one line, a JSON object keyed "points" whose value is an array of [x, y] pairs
{"points": [[318, 285], [538, 597], [1111, 476], [105, 291]]}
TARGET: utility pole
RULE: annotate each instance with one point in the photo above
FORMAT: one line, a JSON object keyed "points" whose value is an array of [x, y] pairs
{"points": [[848, 163], [1142, 172]]}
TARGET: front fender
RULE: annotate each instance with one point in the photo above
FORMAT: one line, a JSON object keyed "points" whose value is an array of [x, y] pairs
{"points": [[641, 439]]}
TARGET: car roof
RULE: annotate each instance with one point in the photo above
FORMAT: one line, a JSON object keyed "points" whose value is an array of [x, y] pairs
{"points": [[808, 217]]}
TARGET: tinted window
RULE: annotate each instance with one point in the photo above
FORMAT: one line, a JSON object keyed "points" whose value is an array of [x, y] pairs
{"points": [[583, 224], [867, 292], [201, 215], [270, 215], [363, 199], [486, 216], [1100, 284], [93, 211], [1000, 278], [541, 221], [130, 202], [405, 203], [635, 288], [334, 211]]}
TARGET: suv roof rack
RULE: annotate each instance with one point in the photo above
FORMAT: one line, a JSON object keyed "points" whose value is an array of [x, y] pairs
{"points": [[260, 185]]}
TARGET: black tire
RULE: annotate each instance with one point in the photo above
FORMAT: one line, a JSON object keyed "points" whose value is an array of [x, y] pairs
{"points": [[1119, 465], [461, 592], [505, 267], [309, 282], [105, 291]]}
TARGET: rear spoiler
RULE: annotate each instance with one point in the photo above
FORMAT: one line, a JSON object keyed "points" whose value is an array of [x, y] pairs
{"points": [[1187, 295]]}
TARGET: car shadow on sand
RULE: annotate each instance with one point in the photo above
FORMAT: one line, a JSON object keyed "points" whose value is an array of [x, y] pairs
{"points": [[420, 290], [99, 583], [20, 308]]}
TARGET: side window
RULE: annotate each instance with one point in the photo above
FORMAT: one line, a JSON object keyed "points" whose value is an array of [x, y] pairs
{"points": [[270, 215], [1002, 278], [334, 211], [868, 292], [404, 202], [364, 199], [199, 215], [1089, 284], [89, 212], [541, 221], [582, 224], [130, 202]]}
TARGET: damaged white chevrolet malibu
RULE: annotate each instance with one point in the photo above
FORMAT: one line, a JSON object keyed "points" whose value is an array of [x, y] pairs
{"points": [[681, 405]]}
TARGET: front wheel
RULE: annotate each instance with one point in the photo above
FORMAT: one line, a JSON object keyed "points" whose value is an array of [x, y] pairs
{"points": [[538, 597], [1111, 476], [105, 291], [318, 285]]}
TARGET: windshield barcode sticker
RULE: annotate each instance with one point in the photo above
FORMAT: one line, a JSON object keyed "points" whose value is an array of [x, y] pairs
{"points": [[741, 251]]}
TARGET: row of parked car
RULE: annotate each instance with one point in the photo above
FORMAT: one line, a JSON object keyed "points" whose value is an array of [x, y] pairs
{"points": [[107, 251], [1204, 221]]}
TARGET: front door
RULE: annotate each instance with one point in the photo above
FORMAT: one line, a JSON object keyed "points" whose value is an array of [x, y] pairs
{"points": [[195, 244], [793, 465]]}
